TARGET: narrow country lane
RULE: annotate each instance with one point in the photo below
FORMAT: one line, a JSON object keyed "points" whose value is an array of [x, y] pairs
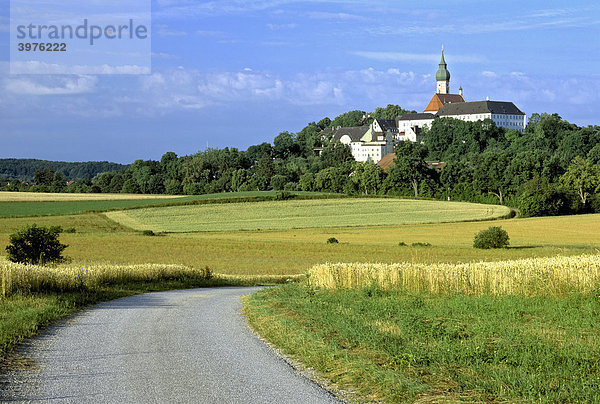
{"points": [[185, 346]]}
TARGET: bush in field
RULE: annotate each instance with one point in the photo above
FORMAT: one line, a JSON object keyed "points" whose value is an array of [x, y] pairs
{"points": [[36, 245], [493, 237], [332, 240], [283, 196], [148, 233], [419, 244]]}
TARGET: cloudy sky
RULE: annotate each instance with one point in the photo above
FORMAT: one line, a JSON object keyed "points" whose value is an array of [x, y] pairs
{"points": [[236, 73]]}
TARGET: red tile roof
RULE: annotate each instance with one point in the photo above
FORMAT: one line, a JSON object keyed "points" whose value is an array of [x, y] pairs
{"points": [[439, 100], [387, 161]]}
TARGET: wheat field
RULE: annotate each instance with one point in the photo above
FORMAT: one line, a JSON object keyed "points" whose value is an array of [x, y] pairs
{"points": [[550, 276], [20, 278]]}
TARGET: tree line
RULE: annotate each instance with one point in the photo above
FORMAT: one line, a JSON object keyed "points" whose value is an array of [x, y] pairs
{"points": [[25, 169], [552, 168]]}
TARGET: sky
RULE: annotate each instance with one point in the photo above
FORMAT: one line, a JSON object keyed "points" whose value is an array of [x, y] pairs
{"points": [[234, 73]]}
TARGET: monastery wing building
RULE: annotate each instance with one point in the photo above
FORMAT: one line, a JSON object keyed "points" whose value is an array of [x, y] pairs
{"points": [[444, 104], [372, 143]]}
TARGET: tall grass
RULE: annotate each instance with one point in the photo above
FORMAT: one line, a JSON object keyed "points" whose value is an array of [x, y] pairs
{"points": [[554, 276], [19, 278]]}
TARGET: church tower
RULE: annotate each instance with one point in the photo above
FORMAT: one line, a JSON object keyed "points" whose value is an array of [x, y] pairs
{"points": [[443, 77]]}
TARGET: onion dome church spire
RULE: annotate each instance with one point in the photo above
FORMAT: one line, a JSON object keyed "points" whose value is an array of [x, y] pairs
{"points": [[443, 77]]}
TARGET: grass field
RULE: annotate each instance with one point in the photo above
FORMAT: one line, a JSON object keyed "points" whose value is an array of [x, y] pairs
{"points": [[294, 251], [390, 346], [303, 214], [6, 196], [31, 204]]}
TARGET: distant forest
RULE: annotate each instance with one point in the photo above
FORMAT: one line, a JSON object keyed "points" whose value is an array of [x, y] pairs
{"points": [[552, 168], [24, 169]]}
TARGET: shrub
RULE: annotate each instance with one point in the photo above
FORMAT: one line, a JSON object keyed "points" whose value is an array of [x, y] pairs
{"points": [[36, 245], [291, 186], [283, 196], [207, 273], [148, 233], [278, 182], [421, 245], [332, 240], [493, 237], [402, 244], [70, 230]]}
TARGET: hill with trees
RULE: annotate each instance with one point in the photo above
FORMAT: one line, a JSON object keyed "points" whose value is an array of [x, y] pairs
{"points": [[552, 168], [24, 169]]}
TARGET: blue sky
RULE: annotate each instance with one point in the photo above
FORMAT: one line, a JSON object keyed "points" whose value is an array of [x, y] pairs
{"points": [[236, 73]]}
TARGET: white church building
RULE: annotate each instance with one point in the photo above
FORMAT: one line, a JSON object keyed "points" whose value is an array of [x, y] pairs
{"points": [[443, 104], [373, 142]]}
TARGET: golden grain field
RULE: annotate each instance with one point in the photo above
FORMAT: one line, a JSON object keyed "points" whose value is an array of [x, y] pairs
{"points": [[551, 276], [6, 196], [61, 278]]}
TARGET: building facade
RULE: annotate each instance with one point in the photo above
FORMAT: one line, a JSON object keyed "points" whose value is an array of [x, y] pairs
{"points": [[367, 143], [443, 104], [373, 142]]}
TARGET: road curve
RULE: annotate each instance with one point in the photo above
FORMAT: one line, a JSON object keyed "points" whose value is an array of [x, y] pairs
{"points": [[185, 346]]}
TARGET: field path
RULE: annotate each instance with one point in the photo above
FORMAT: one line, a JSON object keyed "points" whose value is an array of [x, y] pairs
{"points": [[188, 346]]}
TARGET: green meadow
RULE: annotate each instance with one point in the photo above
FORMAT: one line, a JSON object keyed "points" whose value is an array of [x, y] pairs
{"points": [[291, 214], [31, 204]]}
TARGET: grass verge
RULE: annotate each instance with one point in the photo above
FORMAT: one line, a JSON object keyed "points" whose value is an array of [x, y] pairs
{"points": [[396, 347], [23, 315]]}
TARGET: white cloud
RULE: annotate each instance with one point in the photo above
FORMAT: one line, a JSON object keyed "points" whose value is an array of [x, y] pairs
{"points": [[168, 89], [551, 18], [167, 56], [278, 27], [59, 86], [42, 68], [165, 31], [321, 15], [209, 33], [490, 74], [417, 57]]}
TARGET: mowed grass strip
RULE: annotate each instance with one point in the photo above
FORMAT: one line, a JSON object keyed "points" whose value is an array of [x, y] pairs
{"points": [[6, 196], [30, 204], [303, 214], [388, 346], [46, 208]]}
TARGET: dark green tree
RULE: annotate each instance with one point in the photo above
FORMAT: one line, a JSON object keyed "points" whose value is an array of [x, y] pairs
{"points": [[284, 146], [36, 245], [59, 183], [583, 177], [538, 197], [490, 176], [410, 164], [389, 112], [350, 118], [265, 170], [336, 153], [43, 176]]}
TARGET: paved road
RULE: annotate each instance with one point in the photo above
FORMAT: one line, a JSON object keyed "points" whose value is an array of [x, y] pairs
{"points": [[189, 346]]}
